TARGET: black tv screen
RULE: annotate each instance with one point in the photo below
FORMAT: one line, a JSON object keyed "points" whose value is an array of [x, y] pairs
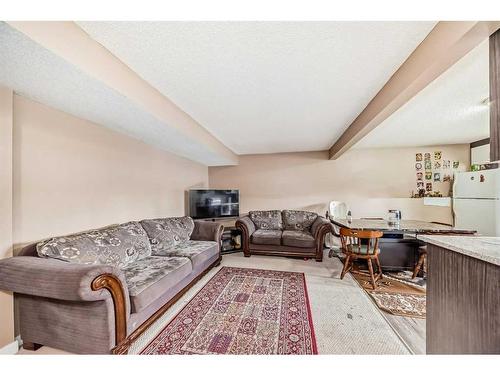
{"points": [[204, 204]]}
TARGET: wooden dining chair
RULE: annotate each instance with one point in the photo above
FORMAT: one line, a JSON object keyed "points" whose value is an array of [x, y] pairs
{"points": [[422, 252], [361, 244], [422, 261]]}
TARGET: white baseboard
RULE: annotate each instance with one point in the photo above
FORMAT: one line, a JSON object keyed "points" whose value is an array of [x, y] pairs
{"points": [[11, 348]]}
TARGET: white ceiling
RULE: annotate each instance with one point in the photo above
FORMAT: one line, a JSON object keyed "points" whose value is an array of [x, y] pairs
{"points": [[448, 111], [36, 73], [263, 87]]}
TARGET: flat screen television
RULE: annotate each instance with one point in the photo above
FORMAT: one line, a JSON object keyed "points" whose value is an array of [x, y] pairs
{"points": [[204, 203]]}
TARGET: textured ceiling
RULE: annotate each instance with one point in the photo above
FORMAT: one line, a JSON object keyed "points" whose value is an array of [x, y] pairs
{"points": [[448, 111], [263, 87], [36, 73]]}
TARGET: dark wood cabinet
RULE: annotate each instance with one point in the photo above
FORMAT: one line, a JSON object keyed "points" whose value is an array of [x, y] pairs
{"points": [[398, 253], [463, 304]]}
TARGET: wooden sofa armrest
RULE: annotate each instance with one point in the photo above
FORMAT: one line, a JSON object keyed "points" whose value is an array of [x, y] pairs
{"points": [[247, 227], [319, 229]]}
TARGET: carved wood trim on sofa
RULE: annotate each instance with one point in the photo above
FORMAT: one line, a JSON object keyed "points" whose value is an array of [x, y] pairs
{"points": [[320, 240], [245, 238], [115, 288]]}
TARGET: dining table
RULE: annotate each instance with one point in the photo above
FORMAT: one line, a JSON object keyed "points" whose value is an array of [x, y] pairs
{"points": [[399, 245]]}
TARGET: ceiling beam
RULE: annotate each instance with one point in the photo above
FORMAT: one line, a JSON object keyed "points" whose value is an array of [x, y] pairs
{"points": [[67, 40], [447, 43]]}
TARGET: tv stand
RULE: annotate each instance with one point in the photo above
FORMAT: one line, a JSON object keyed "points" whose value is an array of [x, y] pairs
{"points": [[231, 240], [231, 236]]}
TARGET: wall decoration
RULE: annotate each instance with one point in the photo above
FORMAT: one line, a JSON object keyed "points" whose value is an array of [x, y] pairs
{"points": [[432, 171]]}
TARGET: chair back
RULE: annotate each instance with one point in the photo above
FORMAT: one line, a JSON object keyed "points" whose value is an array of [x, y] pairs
{"points": [[363, 242], [337, 210]]}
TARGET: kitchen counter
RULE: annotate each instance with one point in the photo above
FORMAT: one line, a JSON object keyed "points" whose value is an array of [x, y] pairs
{"points": [[483, 248], [413, 226], [463, 303]]}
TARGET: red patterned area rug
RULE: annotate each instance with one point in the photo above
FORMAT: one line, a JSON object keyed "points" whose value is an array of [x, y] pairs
{"points": [[242, 311]]}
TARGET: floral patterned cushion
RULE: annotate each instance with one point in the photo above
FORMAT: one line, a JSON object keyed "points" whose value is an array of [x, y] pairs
{"points": [[165, 233], [196, 251], [270, 220], [117, 245], [143, 273], [298, 220], [149, 278]]}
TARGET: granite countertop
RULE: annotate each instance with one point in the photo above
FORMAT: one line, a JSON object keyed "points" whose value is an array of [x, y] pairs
{"points": [[483, 248], [415, 226]]}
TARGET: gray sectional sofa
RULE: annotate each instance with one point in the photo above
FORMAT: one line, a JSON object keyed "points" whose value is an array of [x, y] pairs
{"points": [[287, 233], [96, 291]]}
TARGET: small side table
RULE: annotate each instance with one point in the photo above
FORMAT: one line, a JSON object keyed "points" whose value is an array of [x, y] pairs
{"points": [[231, 240]]}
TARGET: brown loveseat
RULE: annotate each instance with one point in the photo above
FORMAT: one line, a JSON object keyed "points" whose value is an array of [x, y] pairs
{"points": [[96, 291], [288, 233]]}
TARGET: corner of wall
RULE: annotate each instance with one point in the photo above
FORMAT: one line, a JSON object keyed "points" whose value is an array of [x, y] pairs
{"points": [[6, 127]]}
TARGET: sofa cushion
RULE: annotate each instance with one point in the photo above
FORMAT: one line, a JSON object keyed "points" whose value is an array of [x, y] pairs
{"points": [[269, 220], [266, 237], [116, 245], [149, 278], [298, 220], [165, 233], [297, 238], [197, 251]]}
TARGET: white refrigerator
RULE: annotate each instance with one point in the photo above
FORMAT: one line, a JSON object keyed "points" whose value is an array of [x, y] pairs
{"points": [[476, 203]]}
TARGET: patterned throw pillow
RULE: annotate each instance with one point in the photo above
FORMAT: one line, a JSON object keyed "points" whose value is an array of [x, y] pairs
{"points": [[117, 245], [298, 220], [267, 220], [165, 233]]}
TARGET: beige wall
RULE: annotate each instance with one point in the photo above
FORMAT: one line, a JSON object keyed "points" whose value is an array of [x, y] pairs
{"points": [[371, 181], [71, 175], [6, 300]]}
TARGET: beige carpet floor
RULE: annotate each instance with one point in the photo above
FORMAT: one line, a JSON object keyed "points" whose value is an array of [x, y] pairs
{"points": [[346, 320]]}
